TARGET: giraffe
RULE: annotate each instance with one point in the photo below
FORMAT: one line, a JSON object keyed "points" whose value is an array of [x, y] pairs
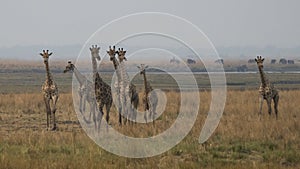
{"points": [[149, 97], [112, 52], [50, 92], [86, 91], [123, 84], [267, 90], [134, 100], [134, 97], [102, 90]]}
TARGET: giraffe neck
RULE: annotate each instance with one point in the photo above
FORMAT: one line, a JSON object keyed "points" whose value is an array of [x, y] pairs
{"points": [[116, 63], [262, 77], [116, 66], [48, 74], [94, 63], [80, 78], [99, 83], [145, 83], [124, 78]]}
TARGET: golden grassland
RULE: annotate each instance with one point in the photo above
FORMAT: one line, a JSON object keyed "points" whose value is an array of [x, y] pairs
{"points": [[242, 139]]}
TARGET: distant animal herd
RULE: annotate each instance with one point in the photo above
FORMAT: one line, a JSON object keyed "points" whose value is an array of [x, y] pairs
{"points": [[98, 94], [274, 61]]}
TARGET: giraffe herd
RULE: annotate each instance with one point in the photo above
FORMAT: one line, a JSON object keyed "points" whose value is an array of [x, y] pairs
{"points": [[97, 93]]}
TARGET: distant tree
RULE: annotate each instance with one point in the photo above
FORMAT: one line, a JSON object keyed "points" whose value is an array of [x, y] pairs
{"points": [[273, 61], [291, 62], [251, 61], [242, 68], [283, 61], [220, 61], [174, 60], [191, 61]]}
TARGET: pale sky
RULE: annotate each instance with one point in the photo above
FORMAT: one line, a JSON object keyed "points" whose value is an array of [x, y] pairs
{"points": [[226, 23]]}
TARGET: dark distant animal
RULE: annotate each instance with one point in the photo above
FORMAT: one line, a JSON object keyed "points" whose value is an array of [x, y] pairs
{"points": [[291, 62], [283, 61], [220, 61], [191, 61], [273, 61], [251, 61]]}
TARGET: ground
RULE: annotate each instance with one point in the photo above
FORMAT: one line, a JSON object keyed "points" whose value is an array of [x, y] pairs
{"points": [[243, 139]]}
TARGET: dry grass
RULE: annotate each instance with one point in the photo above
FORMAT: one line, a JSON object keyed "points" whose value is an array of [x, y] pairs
{"points": [[242, 139]]}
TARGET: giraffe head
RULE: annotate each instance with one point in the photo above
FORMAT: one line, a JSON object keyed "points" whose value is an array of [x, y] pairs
{"points": [[46, 55], [111, 52], [95, 52], [142, 68], [259, 60], [70, 67], [121, 53]]}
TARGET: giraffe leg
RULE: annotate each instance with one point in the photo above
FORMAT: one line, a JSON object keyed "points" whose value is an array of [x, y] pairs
{"points": [[93, 110], [119, 110], [133, 110], [53, 112], [90, 112], [128, 109], [135, 105], [123, 103], [80, 104], [151, 114], [150, 110], [108, 106], [261, 100], [131, 114], [153, 103], [94, 116], [269, 106], [84, 103], [145, 110], [99, 118], [154, 112], [48, 110], [118, 103], [276, 100], [83, 113], [145, 115], [120, 115]]}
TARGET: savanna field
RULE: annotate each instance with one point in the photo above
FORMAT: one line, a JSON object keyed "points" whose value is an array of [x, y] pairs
{"points": [[243, 139]]}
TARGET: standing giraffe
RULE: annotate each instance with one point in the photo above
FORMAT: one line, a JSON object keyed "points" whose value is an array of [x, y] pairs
{"points": [[134, 97], [50, 92], [86, 92], [149, 98], [102, 90], [123, 82], [267, 90], [112, 52]]}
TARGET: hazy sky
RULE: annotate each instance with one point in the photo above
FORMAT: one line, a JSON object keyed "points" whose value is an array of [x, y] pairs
{"points": [[226, 23]]}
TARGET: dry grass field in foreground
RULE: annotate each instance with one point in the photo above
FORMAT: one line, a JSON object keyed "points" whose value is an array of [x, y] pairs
{"points": [[242, 139]]}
